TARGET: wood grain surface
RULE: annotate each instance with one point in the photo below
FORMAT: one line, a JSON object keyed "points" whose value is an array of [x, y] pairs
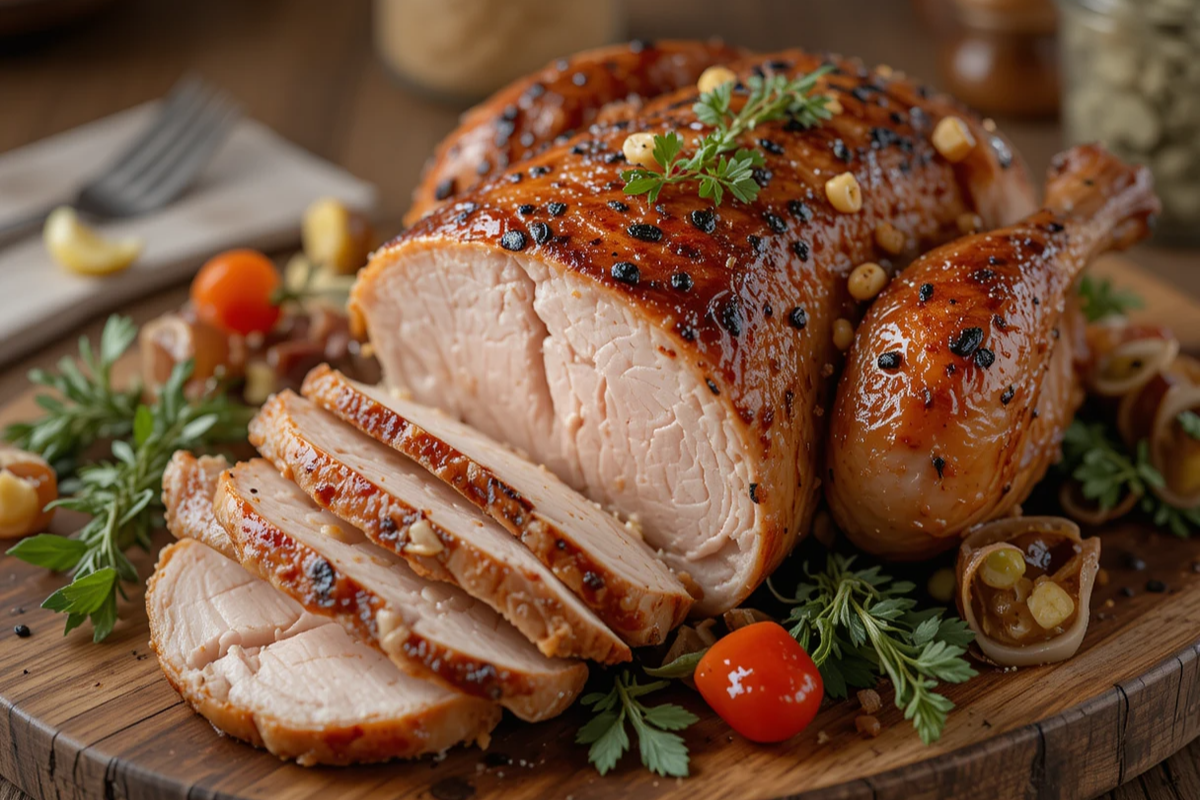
{"points": [[305, 68]]}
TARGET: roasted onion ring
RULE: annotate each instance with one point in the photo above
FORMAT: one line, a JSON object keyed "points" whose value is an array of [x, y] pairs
{"points": [[1052, 547]]}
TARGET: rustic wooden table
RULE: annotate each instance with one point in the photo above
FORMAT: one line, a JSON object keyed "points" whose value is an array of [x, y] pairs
{"points": [[306, 68]]}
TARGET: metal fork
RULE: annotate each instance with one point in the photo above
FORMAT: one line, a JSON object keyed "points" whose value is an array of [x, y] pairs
{"points": [[158, 165]]}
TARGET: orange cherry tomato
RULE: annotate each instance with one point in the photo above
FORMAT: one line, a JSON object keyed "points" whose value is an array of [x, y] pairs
{"points": [[760, 680], [233, 292]]}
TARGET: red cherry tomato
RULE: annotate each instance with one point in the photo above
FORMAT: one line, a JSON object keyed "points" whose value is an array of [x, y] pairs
{"points": [[760, 680], [233, 292]]}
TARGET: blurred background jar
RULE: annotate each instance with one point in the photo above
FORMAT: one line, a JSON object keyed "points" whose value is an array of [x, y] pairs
{"points": [[1132, 72], [463, 50]]}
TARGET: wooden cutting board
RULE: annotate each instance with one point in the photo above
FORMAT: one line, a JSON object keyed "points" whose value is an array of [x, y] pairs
{"points": [[99, 721]]}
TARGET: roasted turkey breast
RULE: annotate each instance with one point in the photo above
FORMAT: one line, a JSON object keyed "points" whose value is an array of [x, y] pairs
{"points": [[528, 115], [403, 509], [259, 668], [432, 630], [965, 372], [188, 487], [673, 360]]}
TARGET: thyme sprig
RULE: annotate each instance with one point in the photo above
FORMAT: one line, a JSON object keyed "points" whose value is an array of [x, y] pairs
{"points": [[716, 163]]}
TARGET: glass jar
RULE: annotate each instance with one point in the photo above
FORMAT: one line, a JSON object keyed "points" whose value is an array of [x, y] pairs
{"points": [[463, 50], [1132, 77]]}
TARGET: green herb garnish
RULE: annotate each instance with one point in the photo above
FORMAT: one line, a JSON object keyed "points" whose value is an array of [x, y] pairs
{"points": [[85, 406], [1189, 421], [662, 751], [1101, 299], [682, 667], [858, 625], [710, 164], [123, 495]]}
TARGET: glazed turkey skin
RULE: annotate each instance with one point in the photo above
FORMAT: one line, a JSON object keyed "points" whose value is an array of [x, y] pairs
{"points": [[674, 361]]}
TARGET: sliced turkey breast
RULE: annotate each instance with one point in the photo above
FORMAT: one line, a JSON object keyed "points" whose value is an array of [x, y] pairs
{"points": [[188, 487], [432, 630], [604, 562], [403, 509], [258, 667], [526, 116], [674, 360]]}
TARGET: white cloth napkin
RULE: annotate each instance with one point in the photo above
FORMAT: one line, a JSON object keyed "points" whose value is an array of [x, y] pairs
{"points": [[252, 194]]}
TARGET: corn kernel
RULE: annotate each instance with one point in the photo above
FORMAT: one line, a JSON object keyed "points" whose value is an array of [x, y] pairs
{"points": [[422, 540], [953, 139], [639, 150], [1050, 604], [1002, 568], [889, 238], [843, 333], [969, 223], [714, 76], [844, 193], [19, 505], [941, 585], [866, 281]]}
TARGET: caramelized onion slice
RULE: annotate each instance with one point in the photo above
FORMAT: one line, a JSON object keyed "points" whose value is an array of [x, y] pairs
{"points": [[1130, 365], [1005, 630], [1173, 452], [1081, 509]]}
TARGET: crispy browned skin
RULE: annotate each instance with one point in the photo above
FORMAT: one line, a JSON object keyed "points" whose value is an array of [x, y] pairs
{"points": [[528, 115], [621, 605], [980, 342], [523, 598], [290, 566], [768, 281]]}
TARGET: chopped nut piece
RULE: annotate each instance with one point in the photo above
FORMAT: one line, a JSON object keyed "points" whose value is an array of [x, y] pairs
{"points": [[866, 281], [1050, 604], [844, 193], [889, 238], [422, 540], [843, 333], [869, 700], [953, 139], [868, 725], [822, 737], [741, 617], [639, 150], [714, 76]]}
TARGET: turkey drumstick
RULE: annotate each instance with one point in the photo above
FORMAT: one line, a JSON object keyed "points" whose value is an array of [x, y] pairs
{"points": [[963, 375]]}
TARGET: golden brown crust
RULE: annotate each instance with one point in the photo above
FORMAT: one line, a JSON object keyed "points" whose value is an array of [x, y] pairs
{"points": [[309, 578], [524, 599], [528, 115], [638, 614], [375, 741]]}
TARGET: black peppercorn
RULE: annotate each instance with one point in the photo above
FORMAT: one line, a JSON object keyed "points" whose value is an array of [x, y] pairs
{"points": [[617, 205], [703, 219], [774, 148], [966, 342], [1007, 395], [712, 387], [525, 209], [889, 361], [541, 232], [625, 272], [556, 209], [23, 631], [1127, 591], [925, 292], [1134, 563], [754, 493], [984, 357], [1155, 586], [797, 318], [774, 222], [513, 240], [681, 281], [840, 151], [444, 189], [798, 209], [645, 232], [801, 249], [939, 464]]}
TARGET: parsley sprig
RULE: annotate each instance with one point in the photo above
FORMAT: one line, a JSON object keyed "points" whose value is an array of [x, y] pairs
{"points": [[84, 406], [122, 496], [663, 752], [1101, 299], [1107, 473], [710, 164], [859, 624]]}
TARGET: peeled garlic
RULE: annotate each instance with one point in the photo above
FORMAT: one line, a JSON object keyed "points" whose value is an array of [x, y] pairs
{"points": [[82, 250]]}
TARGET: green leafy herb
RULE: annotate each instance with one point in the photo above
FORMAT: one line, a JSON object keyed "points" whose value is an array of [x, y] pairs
{"points": [[1190, 422], [1105, 471], [858, 624], [717, 164], [85, 406], [663, 752], [306, 281], [682, 667], [122, 495], [1101, 299]]}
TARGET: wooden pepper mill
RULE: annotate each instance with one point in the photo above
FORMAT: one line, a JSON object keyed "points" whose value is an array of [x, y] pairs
{"points": [[1000, 56]]}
